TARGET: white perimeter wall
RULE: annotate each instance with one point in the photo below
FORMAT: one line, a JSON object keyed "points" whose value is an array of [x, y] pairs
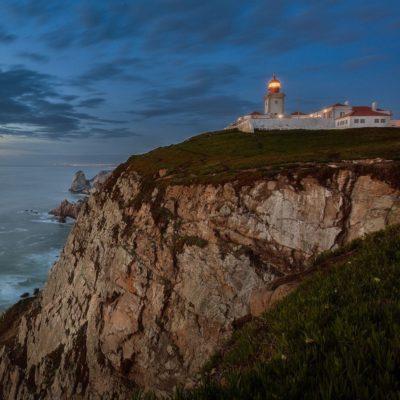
{"points": [[251, 124]]}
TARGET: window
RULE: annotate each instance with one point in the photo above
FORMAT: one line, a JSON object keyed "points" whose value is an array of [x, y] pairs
{"points": [[356, 121], [362, 121], [383, 120], [376, 120]]}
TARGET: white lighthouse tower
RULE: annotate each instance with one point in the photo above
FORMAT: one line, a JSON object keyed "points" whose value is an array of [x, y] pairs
{"points": [[274, 99]]}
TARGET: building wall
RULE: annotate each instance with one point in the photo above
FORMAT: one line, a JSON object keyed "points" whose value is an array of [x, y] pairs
{"points": [[370, 121], [249, 124], [332, 112], [275, 103]]}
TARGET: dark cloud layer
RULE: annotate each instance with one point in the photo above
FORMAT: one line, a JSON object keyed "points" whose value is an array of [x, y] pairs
{"points": [[30, 105], [118, 68], [6, 37], [35, 57]]}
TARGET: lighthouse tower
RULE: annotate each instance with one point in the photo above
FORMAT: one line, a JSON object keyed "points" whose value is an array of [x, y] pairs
{"points": [[274, 99]]}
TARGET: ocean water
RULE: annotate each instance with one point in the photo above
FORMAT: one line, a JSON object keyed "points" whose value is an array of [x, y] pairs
{"points": [[31, 239]]}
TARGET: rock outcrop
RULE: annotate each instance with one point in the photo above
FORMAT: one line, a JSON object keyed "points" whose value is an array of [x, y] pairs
{"points": [[67, 209], [154, 276], [80, 184]]}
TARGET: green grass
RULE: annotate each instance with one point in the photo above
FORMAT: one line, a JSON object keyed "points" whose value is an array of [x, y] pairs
{"points": [[336, 337], [224, 154]]}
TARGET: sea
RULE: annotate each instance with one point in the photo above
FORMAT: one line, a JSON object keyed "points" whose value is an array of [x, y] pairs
{"points": [[30, 238]]}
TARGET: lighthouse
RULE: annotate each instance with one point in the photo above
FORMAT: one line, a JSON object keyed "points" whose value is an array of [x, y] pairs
{"points": [[274, 100]]}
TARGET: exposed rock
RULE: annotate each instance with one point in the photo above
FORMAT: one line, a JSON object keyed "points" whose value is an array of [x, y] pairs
{"points": [[86, 186], [67, 210], [162, 172], [79, 183], [97, 182], [153, 279]]}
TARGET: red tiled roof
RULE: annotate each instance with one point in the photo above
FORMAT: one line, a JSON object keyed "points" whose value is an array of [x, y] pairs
{"points": [[364, 111]]}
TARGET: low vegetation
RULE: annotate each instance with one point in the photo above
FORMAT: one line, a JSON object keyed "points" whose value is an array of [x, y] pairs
{"points": [[222, 155], [336, 337]]}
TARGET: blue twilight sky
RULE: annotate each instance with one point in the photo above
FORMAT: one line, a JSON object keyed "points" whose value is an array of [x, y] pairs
{"points": [[119, 77]]}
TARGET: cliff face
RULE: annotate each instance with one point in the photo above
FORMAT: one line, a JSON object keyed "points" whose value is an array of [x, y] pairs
{"points": [[154, 276]]}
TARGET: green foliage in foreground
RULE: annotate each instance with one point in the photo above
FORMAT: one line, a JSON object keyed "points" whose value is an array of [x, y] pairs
{"points": [[222, 154], [336, 337]]}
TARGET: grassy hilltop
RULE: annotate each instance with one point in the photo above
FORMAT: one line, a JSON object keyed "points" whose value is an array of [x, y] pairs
{"points": [[222, 155]]}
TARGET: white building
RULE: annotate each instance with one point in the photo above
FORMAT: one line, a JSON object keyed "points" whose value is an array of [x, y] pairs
{"points": [[360, 117], [339, 116]]}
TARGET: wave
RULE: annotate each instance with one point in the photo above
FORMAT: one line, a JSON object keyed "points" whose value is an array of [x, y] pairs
{"points": [[13, 285], [11, 288], [4, 231], [46, 218]]}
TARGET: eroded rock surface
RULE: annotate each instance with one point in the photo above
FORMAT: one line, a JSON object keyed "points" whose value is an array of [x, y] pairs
{"points": [[67, 209], [153, 278]]}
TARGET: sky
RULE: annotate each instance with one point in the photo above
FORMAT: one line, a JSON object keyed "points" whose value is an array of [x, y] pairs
{"points": [[113, 78]]}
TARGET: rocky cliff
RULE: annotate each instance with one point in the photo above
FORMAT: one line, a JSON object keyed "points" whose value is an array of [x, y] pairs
{"points": [[155, 275]]}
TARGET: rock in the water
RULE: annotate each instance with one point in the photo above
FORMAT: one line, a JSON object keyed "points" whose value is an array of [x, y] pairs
{"points": [[79, 183], [86, 186], [67, 209]]}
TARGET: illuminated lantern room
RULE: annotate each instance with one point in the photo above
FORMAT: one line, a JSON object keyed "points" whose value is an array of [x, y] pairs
{"points": [[274, 100], [274, 85]]}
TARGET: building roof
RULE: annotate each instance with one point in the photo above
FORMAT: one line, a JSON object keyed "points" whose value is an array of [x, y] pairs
{"points": [[338, 105], [298, 113], [365, 111], [255, 113]]}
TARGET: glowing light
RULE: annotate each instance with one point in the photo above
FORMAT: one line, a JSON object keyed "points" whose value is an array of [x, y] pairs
{"points": [[280, 116], [274, 85]]}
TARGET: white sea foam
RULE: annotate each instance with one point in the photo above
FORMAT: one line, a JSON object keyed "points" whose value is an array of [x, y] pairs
{"points": [[46, 218], [44, 259], [13, 285], [11, 288]]}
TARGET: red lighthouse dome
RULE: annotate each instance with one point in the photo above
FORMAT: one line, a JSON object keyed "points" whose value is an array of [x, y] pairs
{"points": [[274, 85]]}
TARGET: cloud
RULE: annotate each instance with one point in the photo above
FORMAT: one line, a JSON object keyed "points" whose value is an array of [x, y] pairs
{"points": [[179, 62], [30, 105], [113, 133], [201, 93], [118, 69], [92, 103], [358, 63], [207, 107], [6, 37], [35, 57]]}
